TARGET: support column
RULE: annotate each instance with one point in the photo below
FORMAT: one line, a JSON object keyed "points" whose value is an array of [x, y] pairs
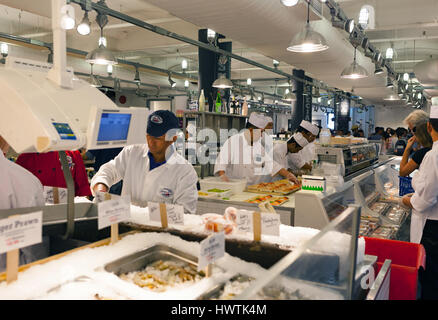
{"points": [[207, 69], [342, 113], [302, 108]]}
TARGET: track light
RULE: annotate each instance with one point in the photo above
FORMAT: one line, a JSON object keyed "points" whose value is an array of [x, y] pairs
{"points": [[406, 77], [117, 87], [184, 65], [84, 28], [171, 82], [347, 25], [137, 75], [109, 69], [378, 70], [211, 36], [275, 63], [249, 81], [308, 40], [186, 83], [389, 53], [4, 50]]}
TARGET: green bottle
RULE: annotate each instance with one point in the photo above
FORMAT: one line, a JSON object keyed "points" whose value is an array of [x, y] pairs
{"points": [[218, 102]]}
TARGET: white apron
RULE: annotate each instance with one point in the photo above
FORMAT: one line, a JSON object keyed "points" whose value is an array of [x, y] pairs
{"points": [[418, 220]]}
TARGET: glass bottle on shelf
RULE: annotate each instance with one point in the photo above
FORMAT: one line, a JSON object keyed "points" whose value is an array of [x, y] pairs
{"points": [[232, 105], [218, 102], [201, 103], [244, 111]]}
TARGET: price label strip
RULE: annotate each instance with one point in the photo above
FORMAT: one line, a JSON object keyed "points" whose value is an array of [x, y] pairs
{"points": [[166, 213], [258, 223], [212, 249], [17, 232]]}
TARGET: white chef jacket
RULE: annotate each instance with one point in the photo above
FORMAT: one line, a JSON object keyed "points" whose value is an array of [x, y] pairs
{"points": [[21, 189], [173, 182], [425, 199], [240, 160], [308, 153], [293, 161]]}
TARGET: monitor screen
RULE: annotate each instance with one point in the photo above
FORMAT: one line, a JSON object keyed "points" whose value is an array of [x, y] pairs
{"points": [[64, 131], [114, 127]]}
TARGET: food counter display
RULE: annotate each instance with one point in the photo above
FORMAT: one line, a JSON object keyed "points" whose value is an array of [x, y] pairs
{"points": [[150, 266], [325, 267], [375, 191]]}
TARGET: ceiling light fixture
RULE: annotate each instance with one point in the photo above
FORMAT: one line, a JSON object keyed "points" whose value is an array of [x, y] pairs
{"points": [[184, 65], [308, 40], [222, 82], [275, 63], [4, 50], [355, 70], [347, 25], [406, 77], [378, 70], [211, 36], [101, 55], [289, 3], [67, 17], [186, 83], [249, 81], [389, 53], [109, 69], [84, 28]]}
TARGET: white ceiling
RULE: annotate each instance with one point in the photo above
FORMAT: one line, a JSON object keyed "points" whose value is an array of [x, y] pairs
{"points": [[259, 29]]}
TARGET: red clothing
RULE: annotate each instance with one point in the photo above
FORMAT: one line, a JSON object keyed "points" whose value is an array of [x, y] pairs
{"points": [[47, 168]]}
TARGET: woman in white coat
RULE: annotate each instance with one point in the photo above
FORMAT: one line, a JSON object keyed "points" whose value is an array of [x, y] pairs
{"points": [[154, 171], [20, 189], [424, 202]]}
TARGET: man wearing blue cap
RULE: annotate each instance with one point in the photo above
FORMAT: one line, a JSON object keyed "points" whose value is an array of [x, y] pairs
{"points": [[154, 171]]}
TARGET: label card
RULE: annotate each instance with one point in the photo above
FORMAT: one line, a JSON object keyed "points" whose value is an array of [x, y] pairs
{"points": [[20, 231], [174, 214], [113, 211], [270, 224], [212, 249], [244, 221], [55, 195]]}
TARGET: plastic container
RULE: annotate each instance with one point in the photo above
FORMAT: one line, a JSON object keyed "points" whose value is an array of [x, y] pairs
{"points": [[406, 259], [325, 136], [405, 184], [235, 185]]}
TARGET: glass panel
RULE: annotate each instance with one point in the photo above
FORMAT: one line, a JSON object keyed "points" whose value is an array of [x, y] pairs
{"points": [[336, 203], [322, 268], [368, 188]]}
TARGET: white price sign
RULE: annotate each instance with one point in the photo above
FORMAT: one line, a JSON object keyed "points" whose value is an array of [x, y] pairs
{"points": [[113, 211], [20, 231], [212, 249], [245, 221], [174, 212], [54, 195], [270, 224]]}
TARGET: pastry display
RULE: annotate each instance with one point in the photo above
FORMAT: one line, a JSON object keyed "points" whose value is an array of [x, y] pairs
{"points": [[161, 275], [281, 187], [275, 201]]}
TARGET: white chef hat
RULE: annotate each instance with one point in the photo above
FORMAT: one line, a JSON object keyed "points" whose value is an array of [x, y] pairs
{"points": [[434, 109], [309, 127], [299, 138], [258, 120]]}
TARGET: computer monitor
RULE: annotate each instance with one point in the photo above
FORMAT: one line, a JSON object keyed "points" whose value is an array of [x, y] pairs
{"points": [[114, 127]]}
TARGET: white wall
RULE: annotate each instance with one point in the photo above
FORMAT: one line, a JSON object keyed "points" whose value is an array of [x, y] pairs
{"points": [[391, 116]]}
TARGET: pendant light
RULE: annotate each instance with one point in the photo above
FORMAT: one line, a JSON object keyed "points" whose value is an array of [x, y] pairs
{"points": [[222, 82], [355, 70], [308, 40]]}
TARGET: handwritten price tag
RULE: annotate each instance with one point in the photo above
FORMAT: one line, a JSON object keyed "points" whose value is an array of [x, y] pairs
{"points": [[270, 224], [212, 249], [174, 213], [54, 195], [20, 231], [245, 221], [113, 211]]}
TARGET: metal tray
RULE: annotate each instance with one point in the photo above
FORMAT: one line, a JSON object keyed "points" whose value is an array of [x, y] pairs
{"points": [[215, 292], [140, 260]]}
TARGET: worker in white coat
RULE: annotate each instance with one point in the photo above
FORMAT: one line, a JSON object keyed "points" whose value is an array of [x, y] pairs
{"points": [[154, 171], [287, 154], [424, 202], [310, 132], [245, 156], [20, 189]]}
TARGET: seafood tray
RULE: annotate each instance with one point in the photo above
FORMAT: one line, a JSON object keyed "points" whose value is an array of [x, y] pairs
{"points": [[228, 290]]}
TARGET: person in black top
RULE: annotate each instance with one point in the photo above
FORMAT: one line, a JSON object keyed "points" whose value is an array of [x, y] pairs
{"points": [[421, 135]]}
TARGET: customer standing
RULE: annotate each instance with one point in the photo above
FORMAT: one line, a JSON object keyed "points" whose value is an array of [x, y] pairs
{"points": [[425, 204]]}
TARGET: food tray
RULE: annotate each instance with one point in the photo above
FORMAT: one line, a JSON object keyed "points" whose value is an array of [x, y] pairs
{"points": [[235, 286], [215, 193], [270, 188], [275, 201], [235, 185], [140, 260]]}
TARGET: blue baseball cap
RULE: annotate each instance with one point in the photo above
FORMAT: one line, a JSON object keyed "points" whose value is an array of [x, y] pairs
{"points": [[160, 122]]}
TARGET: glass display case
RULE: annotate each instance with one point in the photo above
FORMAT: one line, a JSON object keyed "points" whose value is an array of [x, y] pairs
{"points": [[352, 158], [325, 267]]}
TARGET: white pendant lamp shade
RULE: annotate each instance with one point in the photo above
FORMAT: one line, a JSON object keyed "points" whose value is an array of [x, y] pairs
{"points": [[354, 70], [222, 83], [392, 97], [289, 96], [308, 40], [289, 3], [101, 56]]}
